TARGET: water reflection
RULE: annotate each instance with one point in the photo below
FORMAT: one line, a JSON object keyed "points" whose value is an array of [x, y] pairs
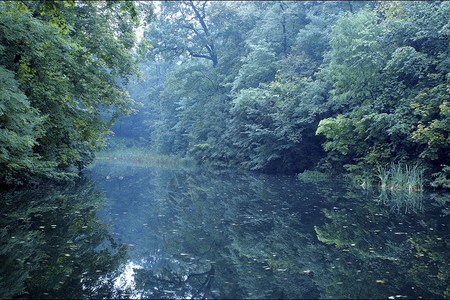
{"points": [[393, 247], [54, 246], [150, 232], [198, 234], [402, 201]]}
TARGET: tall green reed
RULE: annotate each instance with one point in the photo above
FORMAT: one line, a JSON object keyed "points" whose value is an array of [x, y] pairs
{"points": [[399, 176]]}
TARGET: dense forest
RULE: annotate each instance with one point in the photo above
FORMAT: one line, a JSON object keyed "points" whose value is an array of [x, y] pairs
{"points": [[273, 86], [63, 65]]}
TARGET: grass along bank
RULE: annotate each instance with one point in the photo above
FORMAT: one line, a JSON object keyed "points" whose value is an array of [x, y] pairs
{"points": [[137, 152], [401, 177]]}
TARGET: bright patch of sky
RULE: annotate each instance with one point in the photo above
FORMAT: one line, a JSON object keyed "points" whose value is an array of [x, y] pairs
{"points": [[140, 29]]}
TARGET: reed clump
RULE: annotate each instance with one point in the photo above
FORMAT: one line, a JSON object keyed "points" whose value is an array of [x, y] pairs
{"points": [[399, 176], [313, 176]]}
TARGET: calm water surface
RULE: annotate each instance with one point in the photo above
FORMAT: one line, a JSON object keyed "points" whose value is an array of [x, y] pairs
{"points": [[150, 232]]}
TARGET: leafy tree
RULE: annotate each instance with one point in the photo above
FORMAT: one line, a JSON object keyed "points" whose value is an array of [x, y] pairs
{"points": [[366, 80], [20, 129], [183, 29], [382, 78], [66, 59]]}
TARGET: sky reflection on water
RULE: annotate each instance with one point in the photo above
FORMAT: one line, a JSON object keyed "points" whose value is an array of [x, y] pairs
{"points": [[152, 232]]}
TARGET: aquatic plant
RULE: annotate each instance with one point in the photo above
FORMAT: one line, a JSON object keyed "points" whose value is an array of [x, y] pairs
{"points": [[401, 177], [313, 176], [144, 156]]}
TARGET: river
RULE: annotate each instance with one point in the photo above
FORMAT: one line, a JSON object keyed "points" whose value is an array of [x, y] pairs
{"points": [[127, 230]]}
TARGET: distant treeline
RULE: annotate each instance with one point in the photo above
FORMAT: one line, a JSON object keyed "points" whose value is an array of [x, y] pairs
{"points": [[275, 86]]}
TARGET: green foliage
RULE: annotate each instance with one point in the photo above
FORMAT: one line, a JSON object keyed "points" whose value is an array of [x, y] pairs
{"points": [[63, 62], [313, 176], [390, 92], [347, 86], [20, 127], [401, 177]]}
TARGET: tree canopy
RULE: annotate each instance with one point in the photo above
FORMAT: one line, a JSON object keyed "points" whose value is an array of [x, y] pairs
{"points": [[63, 67], [270, 86], [286, 86]]}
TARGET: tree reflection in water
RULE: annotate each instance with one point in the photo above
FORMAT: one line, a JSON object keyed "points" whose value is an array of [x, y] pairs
{"points": [[226, 234], [54, 246], [200, 234]]}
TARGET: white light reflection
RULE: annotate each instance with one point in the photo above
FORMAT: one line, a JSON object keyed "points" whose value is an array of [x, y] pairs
{"points": [[125, 281]]}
